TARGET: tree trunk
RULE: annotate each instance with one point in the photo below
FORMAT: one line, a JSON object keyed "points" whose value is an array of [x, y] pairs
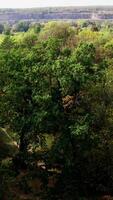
{"points": [[23, 143]]}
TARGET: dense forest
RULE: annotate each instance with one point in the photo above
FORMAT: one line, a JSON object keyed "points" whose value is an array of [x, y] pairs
{"points": [[56, 112]]}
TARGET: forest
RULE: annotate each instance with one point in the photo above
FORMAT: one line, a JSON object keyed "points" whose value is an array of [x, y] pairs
{"points": [[56, 112]]}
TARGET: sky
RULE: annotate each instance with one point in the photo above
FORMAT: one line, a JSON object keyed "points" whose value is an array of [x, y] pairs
{"points": [[51, 3]]}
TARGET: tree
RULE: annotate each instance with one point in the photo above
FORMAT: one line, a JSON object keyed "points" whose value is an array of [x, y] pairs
{"points": [[36, 27], [7, 29], [21, 26], [57, 30], [25, 94]]}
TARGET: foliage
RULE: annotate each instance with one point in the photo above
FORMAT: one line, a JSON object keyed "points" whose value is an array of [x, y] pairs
{"points": [[51, 90], [21, 26]]}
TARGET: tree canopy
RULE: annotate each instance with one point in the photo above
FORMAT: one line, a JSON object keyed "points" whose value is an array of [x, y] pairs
{"points": [[51, 89]]}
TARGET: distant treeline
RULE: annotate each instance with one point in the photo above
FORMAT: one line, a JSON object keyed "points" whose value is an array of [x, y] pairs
{"points": [[45, 14]]}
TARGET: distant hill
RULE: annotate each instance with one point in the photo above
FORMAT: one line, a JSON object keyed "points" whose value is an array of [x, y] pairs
{"points": [[46, 14]]}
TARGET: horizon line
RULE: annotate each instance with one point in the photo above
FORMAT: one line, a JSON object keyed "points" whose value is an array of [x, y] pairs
{"points": [[65, 6]]}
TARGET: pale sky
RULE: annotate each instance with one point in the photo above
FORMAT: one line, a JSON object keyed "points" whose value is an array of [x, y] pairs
{"points": [[51, 3]]}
